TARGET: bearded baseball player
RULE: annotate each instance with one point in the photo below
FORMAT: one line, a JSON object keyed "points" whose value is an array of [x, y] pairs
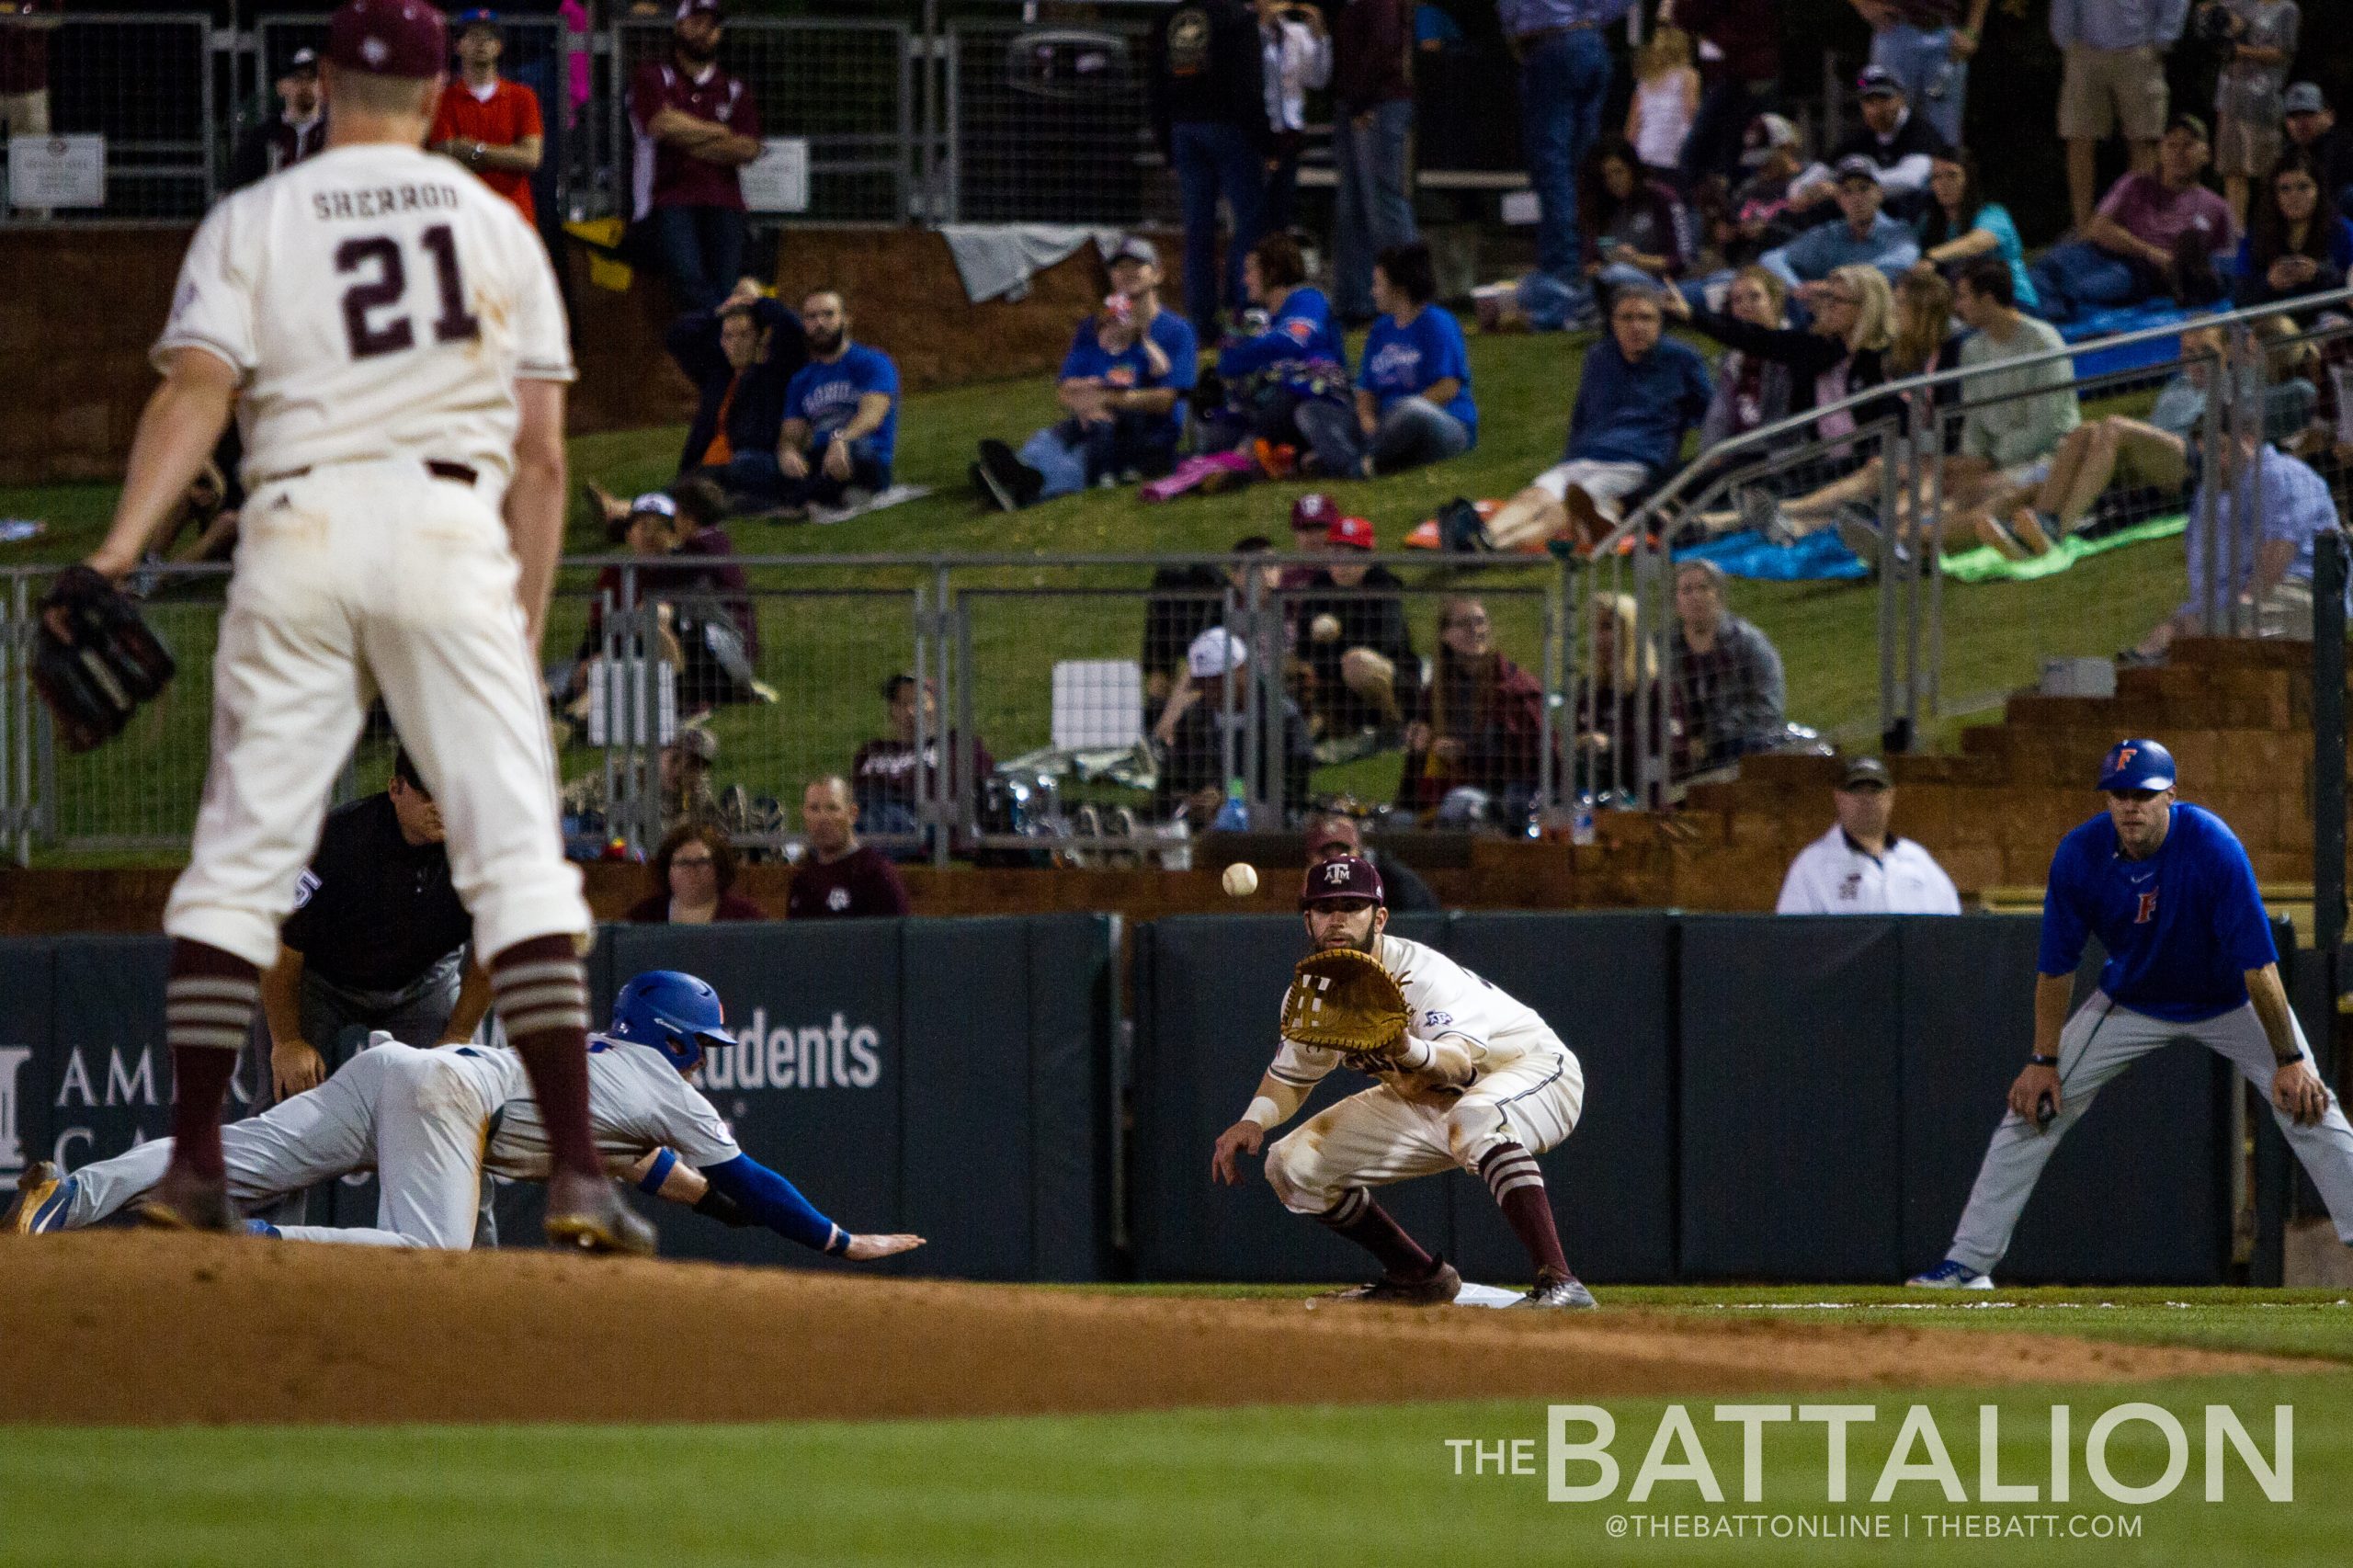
{"points": [[1467, 1076], [430, 1122], [2171, 895], [389, 334]]}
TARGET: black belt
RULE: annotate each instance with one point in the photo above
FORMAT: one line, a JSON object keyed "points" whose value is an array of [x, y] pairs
{"points": [[439, 468]]}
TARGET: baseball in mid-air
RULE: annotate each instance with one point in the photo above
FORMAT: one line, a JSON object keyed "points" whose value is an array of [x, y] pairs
{"points": [[1240, 880], [1325, 628]]}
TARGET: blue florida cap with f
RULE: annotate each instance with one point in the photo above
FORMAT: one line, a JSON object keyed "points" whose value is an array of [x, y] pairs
{"points": [[2137, 764], [676, 1013]]}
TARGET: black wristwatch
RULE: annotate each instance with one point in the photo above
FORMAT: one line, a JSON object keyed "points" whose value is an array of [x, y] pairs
{"points": [[2041, 1061]]}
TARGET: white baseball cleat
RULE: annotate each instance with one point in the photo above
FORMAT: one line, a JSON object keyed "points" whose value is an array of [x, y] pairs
{"points": [[1951, 1276]]}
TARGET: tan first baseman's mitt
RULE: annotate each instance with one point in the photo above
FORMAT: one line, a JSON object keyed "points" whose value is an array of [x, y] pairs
{"points": [[1345, 1000]]}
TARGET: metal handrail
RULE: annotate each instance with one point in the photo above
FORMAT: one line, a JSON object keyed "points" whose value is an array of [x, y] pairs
{"points": [[1766, 435]]}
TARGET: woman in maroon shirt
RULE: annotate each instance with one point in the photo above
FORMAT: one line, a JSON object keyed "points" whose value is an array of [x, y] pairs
{"points": [[692, 872]]}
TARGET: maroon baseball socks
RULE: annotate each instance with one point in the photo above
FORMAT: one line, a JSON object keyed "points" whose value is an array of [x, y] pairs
{"points": [[209, 1001], [1368, 1224], [542, 997], [1512, 1175]]}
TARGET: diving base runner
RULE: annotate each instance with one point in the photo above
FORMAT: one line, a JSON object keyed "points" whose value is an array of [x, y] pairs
{"points": [[2171, 894]]}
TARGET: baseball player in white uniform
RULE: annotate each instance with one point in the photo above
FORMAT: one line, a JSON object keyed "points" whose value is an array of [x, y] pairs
{"points": [[1483, 1082], [430, 1122], [390, 336]]}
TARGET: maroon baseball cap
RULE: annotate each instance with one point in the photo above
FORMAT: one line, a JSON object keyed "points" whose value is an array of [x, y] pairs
{"points": [[1314, 510], [388, 37], [1347, 877], [1354, 532]]}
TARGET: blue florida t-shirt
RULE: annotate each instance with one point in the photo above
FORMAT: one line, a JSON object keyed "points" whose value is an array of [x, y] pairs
{"points": [[1087, 360], [1401, 361], [2181, 927], [826, 395]]}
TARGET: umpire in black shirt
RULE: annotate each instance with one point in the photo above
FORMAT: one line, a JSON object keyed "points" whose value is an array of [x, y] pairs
{"points": [[378, 940]]}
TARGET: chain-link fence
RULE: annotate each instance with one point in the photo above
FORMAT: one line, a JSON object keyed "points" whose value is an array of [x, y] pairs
{"points": [[1050, 121], [113, 120], [1097, 709]]}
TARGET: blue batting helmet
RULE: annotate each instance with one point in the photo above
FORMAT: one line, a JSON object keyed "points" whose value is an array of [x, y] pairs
{"points": [[675, 1013], [2137, 764]]}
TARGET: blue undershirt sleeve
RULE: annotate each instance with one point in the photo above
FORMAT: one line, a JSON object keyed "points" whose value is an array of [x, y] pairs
{"points": [[775, 1202]]}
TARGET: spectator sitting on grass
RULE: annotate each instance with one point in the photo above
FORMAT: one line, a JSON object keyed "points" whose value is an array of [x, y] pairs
{"points": [[2154, 236], [1184, 602], [1474, 750], [1960, 224], [1756, 216], [892, 776], [692, 875], [2298, 244], [1608, 727], [2268, 508], [1752, 389], [2114, 471], [741, 357], [1633, 224], [1413, 397], [1361, 669], [711, 630], [1842, 351], [1728, 682], [1862, 235], [1895, 143], [1206, 722], [841, 879], [1640, 395], [1299, 357], [2015, 419], [841, 415], [1332, 835], [1123, 381]]}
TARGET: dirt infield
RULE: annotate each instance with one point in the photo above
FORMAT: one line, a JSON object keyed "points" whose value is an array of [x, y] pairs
{"points": [[129, 1327]]}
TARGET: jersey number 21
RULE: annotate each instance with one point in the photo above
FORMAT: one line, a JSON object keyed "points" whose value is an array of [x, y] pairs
{"points": [[379, 257]]}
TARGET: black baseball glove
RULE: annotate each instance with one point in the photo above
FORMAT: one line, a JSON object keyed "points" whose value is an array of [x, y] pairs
{"points": [[95, 661]]}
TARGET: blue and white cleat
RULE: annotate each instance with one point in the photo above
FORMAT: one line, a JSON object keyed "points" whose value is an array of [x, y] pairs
{"points": [[262, 1228], [43, 1195], [1951, 1276]]}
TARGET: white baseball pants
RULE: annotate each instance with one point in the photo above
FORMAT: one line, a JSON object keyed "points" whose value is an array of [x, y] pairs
{"points": [[2101, 1040], [414, 1117], [1379, 1136], [352, 579]]}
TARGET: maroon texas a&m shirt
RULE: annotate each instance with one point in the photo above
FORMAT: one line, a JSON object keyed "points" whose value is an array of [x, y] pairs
{"points": [[666, 177], [860, 884]]}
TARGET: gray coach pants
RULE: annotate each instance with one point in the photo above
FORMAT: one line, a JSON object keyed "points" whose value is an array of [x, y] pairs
{"points": [[2101, 1040]]}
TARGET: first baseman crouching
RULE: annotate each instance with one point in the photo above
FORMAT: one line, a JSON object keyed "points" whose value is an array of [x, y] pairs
{"points": [[1480, 1082]]}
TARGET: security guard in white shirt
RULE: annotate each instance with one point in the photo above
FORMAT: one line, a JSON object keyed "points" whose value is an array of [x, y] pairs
{"points": [[1859, 867]]}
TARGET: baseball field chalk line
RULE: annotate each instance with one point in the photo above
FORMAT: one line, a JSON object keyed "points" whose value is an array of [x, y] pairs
{"points": [[1974, 1306]]}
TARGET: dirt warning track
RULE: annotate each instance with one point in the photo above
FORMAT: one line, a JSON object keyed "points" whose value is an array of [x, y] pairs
{"points": [[151, 1329]]}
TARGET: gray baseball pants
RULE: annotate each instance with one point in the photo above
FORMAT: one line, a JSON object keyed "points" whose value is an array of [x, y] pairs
{"points": [[2101, 1040], [411, 1114]]}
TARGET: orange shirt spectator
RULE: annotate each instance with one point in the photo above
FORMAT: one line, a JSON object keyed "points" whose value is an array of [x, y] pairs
{"points": [[486, 122]]}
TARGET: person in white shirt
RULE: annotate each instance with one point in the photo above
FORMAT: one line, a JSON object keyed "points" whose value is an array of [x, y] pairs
{"points": [[1298, 48], [1861, 867]]}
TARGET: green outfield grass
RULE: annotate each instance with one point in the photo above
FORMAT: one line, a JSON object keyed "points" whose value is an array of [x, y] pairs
{"points": [[828, 656], [1300, 1485]]}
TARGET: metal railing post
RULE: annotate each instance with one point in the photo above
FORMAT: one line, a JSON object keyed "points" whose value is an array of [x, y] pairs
{"points": [[1895, 480], [2213, 433]]}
